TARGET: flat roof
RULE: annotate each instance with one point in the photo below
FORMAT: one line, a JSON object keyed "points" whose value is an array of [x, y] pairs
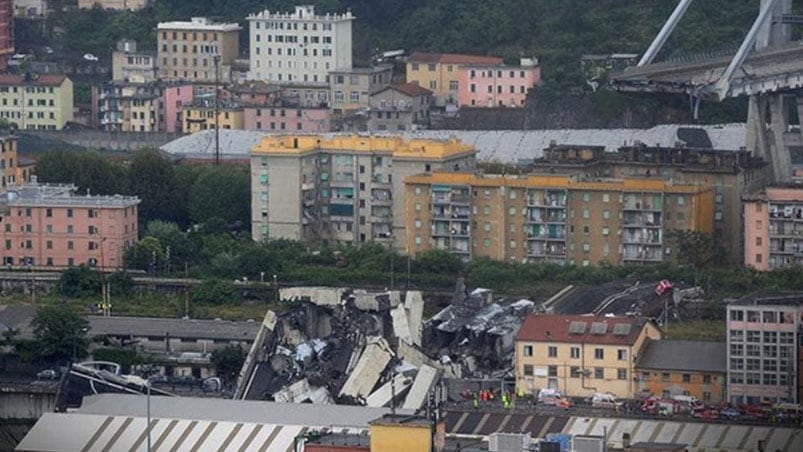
{"points": [[296, 145], [34, 194], [190, 328], [198, 24]]}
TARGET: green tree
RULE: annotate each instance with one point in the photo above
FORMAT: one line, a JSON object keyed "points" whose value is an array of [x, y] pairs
{"points": [[215, 291], [144, 254], [80, 282], [439, 261], [228, 361], [120, 283], [221, 192], [696, 249], [90, 172], [60, 333], [152, 179]]}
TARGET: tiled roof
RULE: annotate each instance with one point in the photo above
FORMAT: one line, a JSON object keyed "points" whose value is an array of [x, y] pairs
{"points": [[693, 356], [411, 89], [581, 329], [36, 80], [452, 58]]}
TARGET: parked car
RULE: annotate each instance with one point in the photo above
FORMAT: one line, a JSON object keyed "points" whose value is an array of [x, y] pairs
{"points": [[90, 57], [706, 414], [605, 400], [730, 413], [47, 374]]}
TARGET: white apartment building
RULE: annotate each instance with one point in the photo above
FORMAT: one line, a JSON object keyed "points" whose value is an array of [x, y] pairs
{"points": [[300, 47]]}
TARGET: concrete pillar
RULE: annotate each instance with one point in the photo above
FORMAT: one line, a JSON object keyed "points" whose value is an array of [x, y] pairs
{"points": [[774, 34], [781, 155]]}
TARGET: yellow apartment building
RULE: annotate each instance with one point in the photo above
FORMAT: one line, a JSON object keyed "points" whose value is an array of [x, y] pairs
{"points": [[557, 218], [36, 102], [581, 355], [187, 50], [9, 160], [438, 72], [345, 189], [197, 117]]}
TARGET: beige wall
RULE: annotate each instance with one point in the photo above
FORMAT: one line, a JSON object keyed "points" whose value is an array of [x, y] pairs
{"points": [[37, 107], [193, 59]]}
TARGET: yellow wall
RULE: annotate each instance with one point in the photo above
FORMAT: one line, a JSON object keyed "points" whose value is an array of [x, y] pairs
{"points": [[29, 106], [197, 119], [656, 382], [401, 438], [580, 386]]}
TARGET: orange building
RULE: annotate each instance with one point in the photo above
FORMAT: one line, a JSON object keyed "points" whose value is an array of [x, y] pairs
{"points": [[668, 368], [51, 226], [552, 218]]}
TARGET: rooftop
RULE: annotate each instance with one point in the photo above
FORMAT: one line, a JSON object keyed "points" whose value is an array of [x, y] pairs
{"points": [[35, 194], [692, 356], [364, 70], [771, 298], [568, 182], [408, 89], [301, 13], [190, 328], [452, 58], [390, 419], [581, 329], [397, 146], [32, 79], [198, 24]]}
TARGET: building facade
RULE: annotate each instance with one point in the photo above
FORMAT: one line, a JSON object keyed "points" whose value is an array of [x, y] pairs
{"points": [[352, 88], [132, 66], [668, 368], [551, 218], [6, 32], [347, 189], [52, 226], [176, 97], [497, 85], [440, 73], [198, 50], [299, 47], [730, 174], [280, 119], [131, 5], [765, 348], [773, 228], [201, 116], [581, 355], [41, 102], [129, 107], [399, 108]]}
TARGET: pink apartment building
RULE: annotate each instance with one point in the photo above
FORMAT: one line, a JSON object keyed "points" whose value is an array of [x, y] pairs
{"points": [[481, 85], [52, 226], [773, 228], [286, 119], [176, 96]]}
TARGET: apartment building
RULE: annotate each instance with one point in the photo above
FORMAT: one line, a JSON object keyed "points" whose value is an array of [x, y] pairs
{"points": [[129, 107], [440, 73], [345, 189], [581, 355], [299, 47], [730, 174], [6, 32], [669, 368], [308, 94], [131, 5], [13, 171], [352, 87], [281, 118], [765, 348], [773, 228], [198, 50], [200, 115], [36, 102], [484, 85], [399, 108], [132, 66], [255, 92], [176, 96], [53, 226], [551, 218]]}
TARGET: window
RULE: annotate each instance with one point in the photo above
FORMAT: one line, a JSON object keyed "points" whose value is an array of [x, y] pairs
{"points": [[599, 353], [686, 378], [737, 316], [553, 352], [574, 372], [599, 373], [681, 200], [69, 245], [621, 354], [575, 352], [552, 371], [49, 245], [665, 376], [706, 395], [49, 213], [758, 241], [621, 374], [606, 197], [69, 213], [528, 350], [528, 370]]}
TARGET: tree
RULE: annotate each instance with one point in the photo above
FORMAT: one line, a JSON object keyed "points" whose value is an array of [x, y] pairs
{"points": [[145, 254], [90, 172], [80, 282], [228, 361], [152, 179], [215, 291], [696, 249], [221, 192], [60, 333], [439, 261]]}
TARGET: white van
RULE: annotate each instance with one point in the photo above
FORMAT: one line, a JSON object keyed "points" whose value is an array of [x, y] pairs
{"points": [[605, 400], [688, 403]]}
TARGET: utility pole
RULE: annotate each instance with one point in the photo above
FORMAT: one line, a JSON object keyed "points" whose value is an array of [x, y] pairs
{"points": [[216, 59]]}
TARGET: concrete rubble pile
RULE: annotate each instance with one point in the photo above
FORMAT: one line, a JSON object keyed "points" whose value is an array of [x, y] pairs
{"points": [[338, 345]]}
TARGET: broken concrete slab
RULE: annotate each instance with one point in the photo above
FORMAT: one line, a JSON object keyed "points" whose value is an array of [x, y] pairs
{"points": [[372, 362], [321, 296], [401, 325], [414, 305], [397, 386], [426, 378]]}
